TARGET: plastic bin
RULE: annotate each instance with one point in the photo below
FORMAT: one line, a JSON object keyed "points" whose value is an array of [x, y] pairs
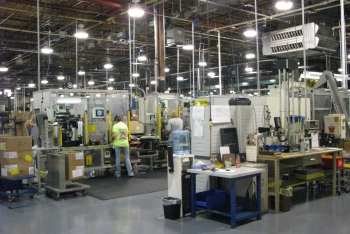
{"points": [[181, 142], [211, 198], [171, 206]]}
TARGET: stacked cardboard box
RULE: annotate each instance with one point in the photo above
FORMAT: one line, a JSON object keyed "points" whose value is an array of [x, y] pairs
{"points": [[74, 164], [16, 156]]}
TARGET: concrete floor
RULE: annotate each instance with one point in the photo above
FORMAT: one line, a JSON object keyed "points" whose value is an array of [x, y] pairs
{"points": [[144, 214]]}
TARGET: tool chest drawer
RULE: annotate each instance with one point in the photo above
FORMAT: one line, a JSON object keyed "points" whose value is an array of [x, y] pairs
{"points": [[304, 161]]}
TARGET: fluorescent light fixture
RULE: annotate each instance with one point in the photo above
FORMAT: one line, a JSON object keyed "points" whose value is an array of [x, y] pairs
{"points": [[348, 56], [131, 85], [255, 93], [135, 74], [284, 5], [75, 86], [18, 88], [250, 55], [211, 74], [31, 84], [142, 58], [60, 77], [111, 79], [179, 78], [136, 11], [188, 47], [70, 100], [272, 80], [81, 33], [108, 64], [166, 69], [217, 86], [181, 95], [71, 94], [248, 69], [249, 32], [91, 82], [245, 83], [3, 67], [340, 69], [44, 81], [81, 72], [110, 88], [98, 95], [46, 48], [153, 82], [202, 63], [60, 88]]}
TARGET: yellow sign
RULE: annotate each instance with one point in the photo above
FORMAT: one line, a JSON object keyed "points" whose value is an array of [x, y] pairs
{"points": [[88, 160], [201, 102]]}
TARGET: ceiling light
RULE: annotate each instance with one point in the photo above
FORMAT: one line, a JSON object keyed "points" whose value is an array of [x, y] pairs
{"points": [[18, 87], [284, 5], [136, 11], [340, 69], [81, 72], [3, 67], [44, 81], [245, 83], [75, 86], [250, 55], [211, 74], [131, 85], [250, 32], [71, 94], [60, 76], [135, 74], [188, 47], [91, 82], [110, 88], [248, 69], [166, 69], [142, 57], [81, 33], [31, 84], [348, 56], [272, 80], [202, 63], [153, 82], [108, 64], [46, 48], [111, 79], [217, 86], [180, 78]]}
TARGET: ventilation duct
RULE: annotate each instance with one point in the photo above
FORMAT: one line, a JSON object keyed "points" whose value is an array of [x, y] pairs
{"points": [[289, 42]]}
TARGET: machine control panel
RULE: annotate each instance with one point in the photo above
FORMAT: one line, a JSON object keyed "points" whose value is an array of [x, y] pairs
{"points": [[312, 125]]}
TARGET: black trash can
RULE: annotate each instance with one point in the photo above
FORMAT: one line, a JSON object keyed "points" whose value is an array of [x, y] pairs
{"points": [[171, 206]]}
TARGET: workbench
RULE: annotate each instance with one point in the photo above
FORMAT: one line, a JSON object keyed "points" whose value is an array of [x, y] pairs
{"points": [[233, 175], [310, 157]]}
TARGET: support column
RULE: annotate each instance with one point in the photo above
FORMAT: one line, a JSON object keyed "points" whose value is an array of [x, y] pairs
{"points": [[160, 47]]}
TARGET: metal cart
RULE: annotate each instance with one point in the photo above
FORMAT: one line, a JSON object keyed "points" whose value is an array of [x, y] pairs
{"points": [[56, 179], [12, 188]]}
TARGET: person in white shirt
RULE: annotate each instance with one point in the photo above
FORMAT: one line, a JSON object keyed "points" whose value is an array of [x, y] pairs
{"points": [[174, 124]]}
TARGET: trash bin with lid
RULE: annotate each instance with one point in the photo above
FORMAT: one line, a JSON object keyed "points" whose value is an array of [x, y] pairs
{"points": [[171, 206], [286, 198]]}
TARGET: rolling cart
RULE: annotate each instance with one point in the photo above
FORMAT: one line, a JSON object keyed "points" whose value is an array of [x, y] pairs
{"points": [[12, 188], [57, 184]]}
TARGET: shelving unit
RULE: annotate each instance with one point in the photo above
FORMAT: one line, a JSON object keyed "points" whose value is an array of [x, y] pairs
{"points": [[2, 128]]}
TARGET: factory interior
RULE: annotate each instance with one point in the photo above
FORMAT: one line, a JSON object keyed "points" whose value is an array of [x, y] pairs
{"points": [[237, 116]]}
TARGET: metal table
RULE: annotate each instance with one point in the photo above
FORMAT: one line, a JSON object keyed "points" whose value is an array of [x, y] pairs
{"points": [[233, 175], [285, 156]]}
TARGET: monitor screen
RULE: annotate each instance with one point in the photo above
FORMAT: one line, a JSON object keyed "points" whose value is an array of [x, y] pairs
{"points": [[98, 112], [152, 117]]}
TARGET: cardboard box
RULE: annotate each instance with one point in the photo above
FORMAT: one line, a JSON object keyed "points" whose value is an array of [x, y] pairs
{"points": [[16, 143], [230, 157], [17, 170], [8, 158], [346, 151], [74, 165]]}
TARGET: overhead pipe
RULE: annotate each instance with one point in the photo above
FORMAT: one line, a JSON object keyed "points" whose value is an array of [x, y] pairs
{"points": [[343, 44], [257, 47], [38, 38]]}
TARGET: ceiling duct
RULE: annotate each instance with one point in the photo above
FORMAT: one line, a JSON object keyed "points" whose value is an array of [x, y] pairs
{"points": [[175, 35], [289, 42]]}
